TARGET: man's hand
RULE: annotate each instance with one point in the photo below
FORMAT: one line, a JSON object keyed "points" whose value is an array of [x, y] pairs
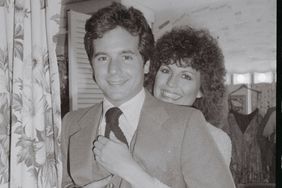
{"points": [[113, 155]]}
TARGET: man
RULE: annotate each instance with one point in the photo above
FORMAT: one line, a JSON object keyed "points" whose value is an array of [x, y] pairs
{"points": [[158, 144]]}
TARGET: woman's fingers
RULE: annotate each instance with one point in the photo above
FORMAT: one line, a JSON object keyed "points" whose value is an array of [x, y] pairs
{"points": [[100, 183], [98, 146], [103, 140]]}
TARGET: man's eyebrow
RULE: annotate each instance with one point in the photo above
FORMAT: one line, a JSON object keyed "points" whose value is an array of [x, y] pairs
{"points": [[127, 52], [99, 53]]}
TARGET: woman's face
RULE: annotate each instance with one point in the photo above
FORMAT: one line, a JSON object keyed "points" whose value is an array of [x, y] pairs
{"points": [[177, 85]]}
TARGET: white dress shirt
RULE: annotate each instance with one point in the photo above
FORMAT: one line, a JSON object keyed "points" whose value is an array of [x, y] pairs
{"points": [[129, 118]]}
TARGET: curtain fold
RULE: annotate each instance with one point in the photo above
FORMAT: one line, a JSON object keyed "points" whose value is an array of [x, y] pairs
{"points": [[30, 120]]}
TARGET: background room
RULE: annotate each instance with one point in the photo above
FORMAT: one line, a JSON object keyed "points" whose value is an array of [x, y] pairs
{"points": [[45, 73], [246, 31]]}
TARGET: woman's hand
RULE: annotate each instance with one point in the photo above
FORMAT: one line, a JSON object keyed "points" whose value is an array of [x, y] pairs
{"points": [[99, 184], [113, 155]]}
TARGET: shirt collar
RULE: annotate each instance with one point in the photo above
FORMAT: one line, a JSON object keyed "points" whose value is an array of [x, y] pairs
{"points": [[131, 109]]}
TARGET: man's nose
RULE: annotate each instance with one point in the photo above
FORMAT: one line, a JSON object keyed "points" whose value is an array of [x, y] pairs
{"points": [[114, 66]]}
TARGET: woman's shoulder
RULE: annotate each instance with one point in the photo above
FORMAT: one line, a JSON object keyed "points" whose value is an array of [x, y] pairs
{"points": [[217, 132], [222, 140]]}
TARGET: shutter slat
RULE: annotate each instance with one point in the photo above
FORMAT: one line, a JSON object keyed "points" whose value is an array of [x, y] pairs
{"points": [[84, 92]]}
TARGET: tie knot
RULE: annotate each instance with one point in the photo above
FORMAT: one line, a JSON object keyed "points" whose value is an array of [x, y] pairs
{"points": [[113, 114]]}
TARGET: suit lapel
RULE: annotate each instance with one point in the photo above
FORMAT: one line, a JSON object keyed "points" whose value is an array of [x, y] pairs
{"points": [[152, 117], [82, 163]]}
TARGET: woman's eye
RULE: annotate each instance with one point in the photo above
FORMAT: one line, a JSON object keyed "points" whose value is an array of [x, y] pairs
{"points": [[186, 76], [164, 70]]}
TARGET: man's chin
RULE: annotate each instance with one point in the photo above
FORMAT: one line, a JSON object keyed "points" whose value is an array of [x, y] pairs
{"points": [[117, 98]]}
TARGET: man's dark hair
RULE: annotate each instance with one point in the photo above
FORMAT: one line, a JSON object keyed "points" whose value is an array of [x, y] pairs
{"points": [[110, 17]]}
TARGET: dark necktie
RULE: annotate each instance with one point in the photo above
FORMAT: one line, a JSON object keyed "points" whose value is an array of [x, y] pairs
{"points": [[112, 124]]}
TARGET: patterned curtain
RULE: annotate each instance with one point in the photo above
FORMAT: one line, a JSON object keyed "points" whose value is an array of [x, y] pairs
{"points": [[30, 120]]}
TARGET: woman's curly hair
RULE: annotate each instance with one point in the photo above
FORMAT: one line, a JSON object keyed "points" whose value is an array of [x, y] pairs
{"points": [[198, 49]]}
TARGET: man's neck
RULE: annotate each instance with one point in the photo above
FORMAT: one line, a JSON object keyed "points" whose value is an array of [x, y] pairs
{"points": [[118, 103]]}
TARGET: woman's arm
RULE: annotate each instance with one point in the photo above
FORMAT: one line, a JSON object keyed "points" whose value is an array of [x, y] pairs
{"points": [[117, 159], [202, 163]]}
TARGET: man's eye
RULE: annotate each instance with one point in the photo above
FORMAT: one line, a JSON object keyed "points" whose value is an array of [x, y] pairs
{"points": [[186, 76], [102, 58], [127, 58]]}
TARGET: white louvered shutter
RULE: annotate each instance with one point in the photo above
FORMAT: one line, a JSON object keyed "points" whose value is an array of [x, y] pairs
{"points": [[83, 91]]}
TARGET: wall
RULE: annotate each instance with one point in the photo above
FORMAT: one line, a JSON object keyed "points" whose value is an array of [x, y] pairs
{"points": [[246, 30]]}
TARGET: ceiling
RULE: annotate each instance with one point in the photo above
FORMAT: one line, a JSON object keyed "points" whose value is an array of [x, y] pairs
{"points": [[246, 29]]}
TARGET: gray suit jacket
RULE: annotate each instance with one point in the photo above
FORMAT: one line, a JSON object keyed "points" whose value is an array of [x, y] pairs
{"points": [[171, 143]]}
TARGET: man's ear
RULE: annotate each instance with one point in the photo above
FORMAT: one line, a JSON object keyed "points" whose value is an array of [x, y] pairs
{"points": [[147, 67]]}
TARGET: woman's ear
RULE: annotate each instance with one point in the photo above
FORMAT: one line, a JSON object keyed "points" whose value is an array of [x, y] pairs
{"points": [[199, 94], [147, 67]]}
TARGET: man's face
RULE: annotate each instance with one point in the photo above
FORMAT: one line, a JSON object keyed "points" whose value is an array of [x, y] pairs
{"points": [[118, 65]]}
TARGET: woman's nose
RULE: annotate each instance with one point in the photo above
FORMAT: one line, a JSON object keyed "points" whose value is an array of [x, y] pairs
{"points": [[172, 81]]}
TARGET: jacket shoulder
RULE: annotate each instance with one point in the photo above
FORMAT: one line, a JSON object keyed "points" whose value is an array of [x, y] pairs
{"points": [[184, 111], [70, 120]]}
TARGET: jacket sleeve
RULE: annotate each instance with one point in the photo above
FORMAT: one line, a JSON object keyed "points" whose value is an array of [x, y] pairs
{"points": [[66, 180], [202, 164]]}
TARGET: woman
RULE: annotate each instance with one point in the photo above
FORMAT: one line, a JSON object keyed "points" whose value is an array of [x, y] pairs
{"points": [[189, 70]]}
